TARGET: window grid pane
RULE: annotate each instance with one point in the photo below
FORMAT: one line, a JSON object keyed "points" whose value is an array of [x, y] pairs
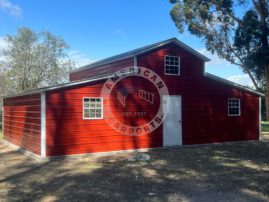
{"points": [[172, 65], [234, 107], [92, 108]]}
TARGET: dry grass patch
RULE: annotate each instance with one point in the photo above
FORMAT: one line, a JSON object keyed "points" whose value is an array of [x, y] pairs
{"points": [[230, 172]]}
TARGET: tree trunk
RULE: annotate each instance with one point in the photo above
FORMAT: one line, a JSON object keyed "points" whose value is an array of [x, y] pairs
{"points": [[267, 92]]}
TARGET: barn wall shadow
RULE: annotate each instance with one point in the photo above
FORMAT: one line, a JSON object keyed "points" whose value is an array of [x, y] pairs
{"points": [[206, 172]]}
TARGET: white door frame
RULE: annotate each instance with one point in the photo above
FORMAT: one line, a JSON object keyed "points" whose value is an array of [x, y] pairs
{"points": [[172, 124]]}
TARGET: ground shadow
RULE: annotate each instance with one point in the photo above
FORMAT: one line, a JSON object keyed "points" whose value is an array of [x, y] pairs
{"points": [[227, 172]]}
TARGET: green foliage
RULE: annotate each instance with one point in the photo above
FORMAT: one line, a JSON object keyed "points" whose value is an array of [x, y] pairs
{"points": [[243, 41], [237, 31], [248, 44], [265, 126], [263, 109], [34, 60]]}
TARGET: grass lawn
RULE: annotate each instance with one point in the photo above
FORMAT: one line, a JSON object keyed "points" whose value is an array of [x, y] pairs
{"points": [[265, 126], [217, 172]]}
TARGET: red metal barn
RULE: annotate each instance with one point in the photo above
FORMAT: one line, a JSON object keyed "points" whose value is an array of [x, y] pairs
{"points": [[80, 117]]}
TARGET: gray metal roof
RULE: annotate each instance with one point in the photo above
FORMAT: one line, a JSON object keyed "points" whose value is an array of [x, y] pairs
{"points": [[235, 85], [69, 84], [142, 50], [129, 54], [55, 87]]}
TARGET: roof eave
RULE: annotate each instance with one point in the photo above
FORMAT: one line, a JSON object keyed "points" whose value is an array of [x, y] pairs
{"points": [[180, 44], [92, 64], [172, 40], [233, 84], [65, 85], [192, 51]]}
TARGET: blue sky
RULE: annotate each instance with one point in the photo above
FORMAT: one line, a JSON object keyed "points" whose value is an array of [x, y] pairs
{"points": [[96, 29]]}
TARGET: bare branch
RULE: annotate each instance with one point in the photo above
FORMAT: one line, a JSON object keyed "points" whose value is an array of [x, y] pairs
{"points": [[241, 60]]}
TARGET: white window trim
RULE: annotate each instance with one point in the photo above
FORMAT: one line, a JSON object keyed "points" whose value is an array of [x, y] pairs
{"points": [[178, 65], [102, 109], [238, 106]]}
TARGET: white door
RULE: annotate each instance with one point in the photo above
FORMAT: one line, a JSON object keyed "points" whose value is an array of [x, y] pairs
{"points": [[172, 125]]}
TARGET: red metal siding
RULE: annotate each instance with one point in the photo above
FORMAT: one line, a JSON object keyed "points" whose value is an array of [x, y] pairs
{"points": [[204, 101], [68, 133], [22, 122], [101, 70], [205, 116], [204, 110]]}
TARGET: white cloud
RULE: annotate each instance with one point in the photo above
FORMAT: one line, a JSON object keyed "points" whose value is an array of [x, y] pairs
{"points": [[3, 45], [74, 55], [10, 8], [79, 59], [242, 79], [215, 60], [119, 32]]}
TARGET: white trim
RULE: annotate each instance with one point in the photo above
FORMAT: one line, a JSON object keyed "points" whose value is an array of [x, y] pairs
{"points": [[109, 153], [239, 106], [69, 84], [140, 51], [180, 121], [233, 84], [97, 154], [102, 109], [260, 118], [135, 61], [173, 56], [101, 62], [30, 154], [2, 119], [43, 124], [64, 85]]}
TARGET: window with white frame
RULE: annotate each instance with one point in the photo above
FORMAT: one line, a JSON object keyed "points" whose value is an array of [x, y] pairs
{"points": [[92, 108], [234, 107], [171, 65]]}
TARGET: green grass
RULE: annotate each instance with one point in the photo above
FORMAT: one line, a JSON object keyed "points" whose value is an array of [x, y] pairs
{"points": [[265, 126]]}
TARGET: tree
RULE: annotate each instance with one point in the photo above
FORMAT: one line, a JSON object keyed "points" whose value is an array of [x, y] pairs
{"points": [[237, 31], [4, 88], [5, 83], [34, 60]]}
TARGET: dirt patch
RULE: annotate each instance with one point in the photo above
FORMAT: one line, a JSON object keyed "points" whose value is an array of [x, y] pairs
{"points": [[218, 172], [265, 136]]}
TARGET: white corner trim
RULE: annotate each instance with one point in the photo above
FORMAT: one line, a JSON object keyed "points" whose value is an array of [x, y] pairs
{"points": [[43, 124], [3, 120], [135, 62], [260, 118]]}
